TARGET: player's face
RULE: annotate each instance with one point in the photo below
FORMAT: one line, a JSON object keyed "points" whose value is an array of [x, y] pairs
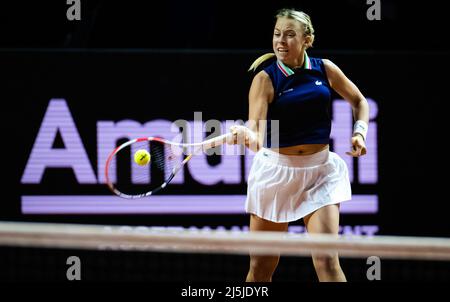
{"points": [[288, 41]]}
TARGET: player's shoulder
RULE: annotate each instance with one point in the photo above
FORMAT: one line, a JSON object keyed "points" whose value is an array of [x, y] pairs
{"points": [[329, 64], [318, 62], [262, 78], [331, 68], [326, 62], [262, 86], [267, 65]]}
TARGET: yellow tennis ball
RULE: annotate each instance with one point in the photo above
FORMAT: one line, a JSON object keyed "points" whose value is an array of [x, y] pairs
{"points": [[142, 157]]}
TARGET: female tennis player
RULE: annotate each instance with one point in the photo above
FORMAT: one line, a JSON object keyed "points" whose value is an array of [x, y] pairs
{"points": [[294, 175]]}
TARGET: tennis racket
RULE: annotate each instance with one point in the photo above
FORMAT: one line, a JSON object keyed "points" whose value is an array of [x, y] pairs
{"points": [[127, 179]]}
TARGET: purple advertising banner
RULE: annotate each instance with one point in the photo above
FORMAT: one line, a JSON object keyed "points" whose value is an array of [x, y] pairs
{"points": [[58, 120]]}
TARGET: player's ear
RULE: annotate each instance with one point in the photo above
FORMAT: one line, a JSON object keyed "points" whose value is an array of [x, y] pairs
{"points": [[309, 41]]}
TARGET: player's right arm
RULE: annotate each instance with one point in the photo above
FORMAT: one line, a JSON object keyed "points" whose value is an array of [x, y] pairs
{"points": [[260, 96]]}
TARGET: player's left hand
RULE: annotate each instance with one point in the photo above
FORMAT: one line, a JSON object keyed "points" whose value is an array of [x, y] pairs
{"points": [[358, 146]]}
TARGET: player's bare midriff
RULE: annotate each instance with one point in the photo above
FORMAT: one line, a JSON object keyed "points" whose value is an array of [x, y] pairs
{"points": [[306, 149]]}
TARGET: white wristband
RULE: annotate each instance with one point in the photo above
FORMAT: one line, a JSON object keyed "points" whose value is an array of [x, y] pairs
{"points": [[361, 128]]}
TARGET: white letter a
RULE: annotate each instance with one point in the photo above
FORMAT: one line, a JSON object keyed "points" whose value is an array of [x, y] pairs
{"points": [[74, 12]]}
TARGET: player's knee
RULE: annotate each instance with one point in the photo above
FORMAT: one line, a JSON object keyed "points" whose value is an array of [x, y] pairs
{"points": [[327, 264], [263, 265]]}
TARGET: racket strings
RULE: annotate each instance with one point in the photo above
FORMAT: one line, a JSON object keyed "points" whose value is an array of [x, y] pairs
{"points": [[134, 179], [166, 158]]}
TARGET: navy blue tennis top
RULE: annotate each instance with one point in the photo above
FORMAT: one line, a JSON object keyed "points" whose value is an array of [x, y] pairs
{"points": [[301, 104]]}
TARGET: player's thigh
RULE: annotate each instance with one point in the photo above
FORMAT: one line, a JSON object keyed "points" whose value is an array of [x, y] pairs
{"points": [[265, 263], [324, 220], [260, 224]]}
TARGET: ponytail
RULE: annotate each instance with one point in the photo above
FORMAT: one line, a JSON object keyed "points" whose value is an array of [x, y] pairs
{"points": [[260, 60]]}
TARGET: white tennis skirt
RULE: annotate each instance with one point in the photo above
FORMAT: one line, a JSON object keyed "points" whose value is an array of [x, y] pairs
{"points": [[284, 188]]}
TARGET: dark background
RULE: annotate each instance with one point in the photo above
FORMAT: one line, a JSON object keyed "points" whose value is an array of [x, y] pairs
{"points": [[108, 57], [339, 25]]}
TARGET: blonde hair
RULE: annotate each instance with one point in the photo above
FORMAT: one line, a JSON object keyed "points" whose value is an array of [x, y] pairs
{"points": [[261, 59], [303, 18], [308, 30]]}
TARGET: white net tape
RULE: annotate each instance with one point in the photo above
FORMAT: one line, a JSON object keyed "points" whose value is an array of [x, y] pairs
{"points": [[99, 237]]}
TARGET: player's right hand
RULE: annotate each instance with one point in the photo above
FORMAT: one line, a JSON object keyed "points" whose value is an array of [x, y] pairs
{"points": [[238, 135]]}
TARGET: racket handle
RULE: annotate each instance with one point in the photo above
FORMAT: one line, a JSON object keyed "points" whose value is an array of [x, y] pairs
{"points": [[220, 140]]}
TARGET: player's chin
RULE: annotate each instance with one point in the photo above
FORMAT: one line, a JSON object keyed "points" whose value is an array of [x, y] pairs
{"points": [[282, 56]]}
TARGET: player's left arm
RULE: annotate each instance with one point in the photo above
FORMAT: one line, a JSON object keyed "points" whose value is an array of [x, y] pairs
{"points": [[348, 90]]}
